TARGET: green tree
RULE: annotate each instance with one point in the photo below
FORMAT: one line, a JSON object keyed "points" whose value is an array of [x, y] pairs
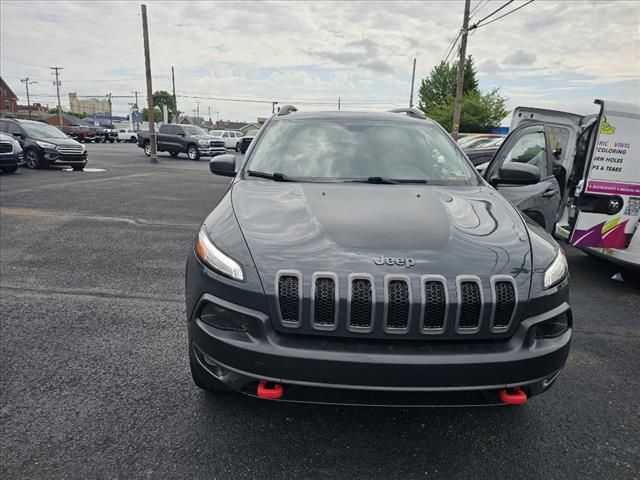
{"points": [[157, 115], [480, 112], [161, 98]]}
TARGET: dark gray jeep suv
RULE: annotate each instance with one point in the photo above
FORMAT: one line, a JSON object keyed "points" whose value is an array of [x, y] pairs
{"points": [[359, 258]]}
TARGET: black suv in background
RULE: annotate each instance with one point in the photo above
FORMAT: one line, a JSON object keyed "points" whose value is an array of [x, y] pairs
{"points": [[44, 145], [189, 139]]}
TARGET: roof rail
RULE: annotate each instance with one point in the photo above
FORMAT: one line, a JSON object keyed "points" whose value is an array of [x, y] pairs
{"points": [[412, 112], [286, 110]]}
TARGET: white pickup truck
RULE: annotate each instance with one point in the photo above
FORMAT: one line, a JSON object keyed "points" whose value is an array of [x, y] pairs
{"points": [[126, 135]]}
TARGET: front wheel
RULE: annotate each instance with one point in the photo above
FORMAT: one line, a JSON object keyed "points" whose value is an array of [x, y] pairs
{"points": [[133, 139], [174, 154], [32, 159], [147, 149], [11, 169], [193, 153], [78, 168]]}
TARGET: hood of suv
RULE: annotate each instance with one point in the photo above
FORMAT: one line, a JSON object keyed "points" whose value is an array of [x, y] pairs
{"points": [[59, 141], [381, 230]]}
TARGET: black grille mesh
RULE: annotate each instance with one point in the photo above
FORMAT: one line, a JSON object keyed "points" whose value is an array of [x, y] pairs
{"points": [[435, 304], [361, 303], [288, 298], [505, 303], [325, 302], [6, 147], [398, 306], [470, 304]]}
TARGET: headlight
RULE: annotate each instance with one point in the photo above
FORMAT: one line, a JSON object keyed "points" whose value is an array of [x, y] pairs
{"points": [[203, 142], [556, 271], [209, 254], [45, 144]]}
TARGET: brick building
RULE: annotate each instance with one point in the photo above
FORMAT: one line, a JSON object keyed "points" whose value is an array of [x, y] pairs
{"points": [[8, 99]]}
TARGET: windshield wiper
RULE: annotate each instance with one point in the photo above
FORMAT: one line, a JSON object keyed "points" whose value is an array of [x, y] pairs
{"points": [[277, 176], [381, 180]]}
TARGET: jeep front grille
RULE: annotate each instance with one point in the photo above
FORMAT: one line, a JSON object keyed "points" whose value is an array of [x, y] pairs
{"points": [[469, 306], [398, 305], [361, 305], [504, 304], [325, 302], [428, 305], [434, 304], [290, 298]]}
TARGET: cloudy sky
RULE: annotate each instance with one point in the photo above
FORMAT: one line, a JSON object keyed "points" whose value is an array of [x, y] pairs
{"points": [[239, 56]]}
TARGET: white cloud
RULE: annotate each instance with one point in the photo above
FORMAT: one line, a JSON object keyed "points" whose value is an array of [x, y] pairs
{"points": [[313, 51]]}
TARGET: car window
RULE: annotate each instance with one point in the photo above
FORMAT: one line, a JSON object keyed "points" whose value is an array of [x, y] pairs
{"points": [[531, 149], [356, 149], [225, 135]]}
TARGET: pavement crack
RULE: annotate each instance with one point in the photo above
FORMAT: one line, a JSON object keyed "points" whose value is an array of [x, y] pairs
{"points": [[92, 293]]}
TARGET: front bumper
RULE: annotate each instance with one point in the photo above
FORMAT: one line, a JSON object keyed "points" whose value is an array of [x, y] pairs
{"points": [[370, 372], [10, 159], [53, 157], [208, 151]]}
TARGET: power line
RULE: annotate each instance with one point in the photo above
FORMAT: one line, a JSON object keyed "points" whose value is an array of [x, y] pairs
{"points": [[490, 15], [478, 8], [502, 16], [455, 40]]}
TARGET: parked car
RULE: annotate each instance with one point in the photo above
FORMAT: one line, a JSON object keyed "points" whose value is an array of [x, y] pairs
{"points": [[189, 139], [468, 139], [11, 154], [80, 134], [110, 135], [485, 152], [246, 140], [385, 272], [125, 135], [44, 145], [231, 138]]}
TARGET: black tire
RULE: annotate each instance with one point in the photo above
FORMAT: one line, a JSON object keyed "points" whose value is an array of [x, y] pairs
{"points": [[111, 140], [133, 140], [237, 149], [147, 149], [193, 153], [174, 154], [11, 169], [117, 140], [33, 159], [78, 168], [203, 380]]}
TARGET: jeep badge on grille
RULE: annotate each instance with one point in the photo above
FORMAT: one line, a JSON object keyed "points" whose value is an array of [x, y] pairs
{"points": [[399, 261]]}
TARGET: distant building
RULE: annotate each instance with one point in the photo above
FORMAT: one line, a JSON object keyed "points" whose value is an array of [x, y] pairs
{"points": [[88, 105], [8, 99]]}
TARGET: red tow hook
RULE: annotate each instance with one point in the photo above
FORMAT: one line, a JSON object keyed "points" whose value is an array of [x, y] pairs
{"points": [[272, 392], [514, 397]]}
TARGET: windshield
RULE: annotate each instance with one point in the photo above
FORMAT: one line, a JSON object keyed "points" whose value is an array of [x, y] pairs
{"points": [[193, 130], [216, 133], [333, 150], [42, 130]]}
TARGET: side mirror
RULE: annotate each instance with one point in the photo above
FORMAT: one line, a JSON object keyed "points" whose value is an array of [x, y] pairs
{"points": [[16, 134], [514, 173], [224, 165]]}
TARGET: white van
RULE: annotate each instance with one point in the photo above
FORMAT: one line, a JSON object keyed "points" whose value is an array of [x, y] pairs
{"points": [[588, 190]]}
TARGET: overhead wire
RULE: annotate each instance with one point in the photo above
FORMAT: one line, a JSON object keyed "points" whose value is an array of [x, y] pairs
{"points": [[502, 16]]}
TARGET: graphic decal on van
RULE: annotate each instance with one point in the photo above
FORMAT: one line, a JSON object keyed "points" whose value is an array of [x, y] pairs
{"points": [[608, 234], [606, 128]]}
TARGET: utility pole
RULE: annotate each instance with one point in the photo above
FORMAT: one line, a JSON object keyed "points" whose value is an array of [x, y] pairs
{"points": [[175, 103], [210, 122], [460, 84], [338, 103], [136, 109], [197, 113], [273, 107], [413, 79], [110, 110], [26, 84], [147, 66], [57, 84]]}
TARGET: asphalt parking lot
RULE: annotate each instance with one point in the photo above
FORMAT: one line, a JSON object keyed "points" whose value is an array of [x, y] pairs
{"points": [[94, 376]]}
